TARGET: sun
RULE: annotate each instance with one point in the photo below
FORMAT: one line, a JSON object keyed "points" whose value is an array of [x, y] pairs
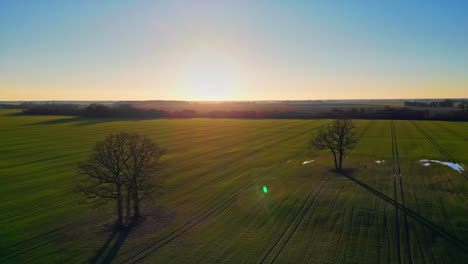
{"points": [[210, 77]]}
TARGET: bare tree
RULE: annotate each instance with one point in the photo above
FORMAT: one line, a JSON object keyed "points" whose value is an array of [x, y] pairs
{"points": [[105, 172], [338, 137], [141, 169], [121, 168]]}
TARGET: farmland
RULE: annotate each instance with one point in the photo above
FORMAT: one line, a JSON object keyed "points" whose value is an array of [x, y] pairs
{"points": [[214, 208]]}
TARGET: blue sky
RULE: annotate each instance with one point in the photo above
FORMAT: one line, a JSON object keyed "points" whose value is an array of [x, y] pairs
{"points": [[232, 50]]}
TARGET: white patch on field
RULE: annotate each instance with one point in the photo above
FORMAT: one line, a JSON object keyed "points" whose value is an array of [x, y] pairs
{"points": [[379, 161], [307, 161], [426, 164], [452, 165], [288, 161]]}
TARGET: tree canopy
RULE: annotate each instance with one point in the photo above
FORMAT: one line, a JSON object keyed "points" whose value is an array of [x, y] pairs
{"points": [[338, 137]]}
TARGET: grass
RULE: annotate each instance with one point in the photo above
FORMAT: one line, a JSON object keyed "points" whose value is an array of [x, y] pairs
{"points": [[213, 208]]}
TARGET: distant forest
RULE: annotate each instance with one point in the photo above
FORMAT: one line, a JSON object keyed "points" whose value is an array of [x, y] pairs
{"points": [[444, 103], [129, 111]]}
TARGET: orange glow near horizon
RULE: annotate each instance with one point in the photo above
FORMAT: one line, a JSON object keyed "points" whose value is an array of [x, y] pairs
{"points": [[210, 76]]}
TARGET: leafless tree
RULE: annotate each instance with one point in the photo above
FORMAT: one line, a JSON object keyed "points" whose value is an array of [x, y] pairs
{"points": [[121, 168], [338, 137], [141, 169], [105, 172]]}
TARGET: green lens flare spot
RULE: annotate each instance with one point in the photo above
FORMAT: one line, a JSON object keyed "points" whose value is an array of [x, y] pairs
{"points": [[265, 189]]}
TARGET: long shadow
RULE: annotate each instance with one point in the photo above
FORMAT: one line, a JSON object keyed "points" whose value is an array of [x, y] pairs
{"points": [[122, 235], [416, 216], [104, 247], [118, 244]]}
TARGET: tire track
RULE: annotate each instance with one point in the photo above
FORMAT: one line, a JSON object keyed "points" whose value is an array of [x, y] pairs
{"points": [[45, 238], [415, 216], [243, 157], [452, 131], [302, 217], [434, 143], [217, 208], [437, 146], [28, 211], [397, 173], [360, 135], [297, 221]]}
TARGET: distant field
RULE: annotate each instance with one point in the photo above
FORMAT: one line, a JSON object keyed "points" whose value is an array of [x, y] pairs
{"points": [[213, 208]]}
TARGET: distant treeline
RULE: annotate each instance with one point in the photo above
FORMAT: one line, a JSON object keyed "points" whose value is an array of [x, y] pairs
{"points": [[12, 106], [395, 113], [128, 111], [93, 110], [444, 103]]}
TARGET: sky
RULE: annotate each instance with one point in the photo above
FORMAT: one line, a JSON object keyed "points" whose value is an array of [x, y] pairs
{"points": [[233, 50]]}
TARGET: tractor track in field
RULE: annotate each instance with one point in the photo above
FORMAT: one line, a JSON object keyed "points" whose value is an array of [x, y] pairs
{"points": [[340, 247], [197, 176], [359, 136], [440, 231], [252, 139], [243, 157], [397, 174], [25, 212], [395, 195], [297, 220], [453, 132], [437, 146], [44, 239], [50, 235], [213, 210], [307, 205], [51, 238], [433, 142]]}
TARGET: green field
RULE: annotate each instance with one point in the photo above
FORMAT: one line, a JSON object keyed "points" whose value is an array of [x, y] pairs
{"points": [[212, 208]]}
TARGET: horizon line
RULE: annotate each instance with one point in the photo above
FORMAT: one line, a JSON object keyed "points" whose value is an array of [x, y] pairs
{"points": [[261, 100]]}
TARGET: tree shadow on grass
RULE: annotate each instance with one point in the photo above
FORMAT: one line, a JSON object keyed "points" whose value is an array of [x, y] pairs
{"points": [[152, 220], [436, 229], [117, 238], [103, 248]]}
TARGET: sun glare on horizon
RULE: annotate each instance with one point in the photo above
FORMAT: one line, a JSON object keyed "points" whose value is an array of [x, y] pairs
{"points": [[210, 76]]}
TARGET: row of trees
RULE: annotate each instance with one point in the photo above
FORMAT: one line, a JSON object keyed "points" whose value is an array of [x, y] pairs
{"points": [[121, 169], [443, 103], [128, 111]]}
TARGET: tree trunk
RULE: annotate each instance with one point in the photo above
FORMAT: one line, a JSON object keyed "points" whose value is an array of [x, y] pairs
{"points": [[334, 159], [340, 162], [136, 204], [128, 204], [119, 206]]}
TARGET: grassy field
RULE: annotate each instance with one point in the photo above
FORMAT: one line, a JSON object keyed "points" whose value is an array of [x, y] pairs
{"points": [[213, 209]]}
